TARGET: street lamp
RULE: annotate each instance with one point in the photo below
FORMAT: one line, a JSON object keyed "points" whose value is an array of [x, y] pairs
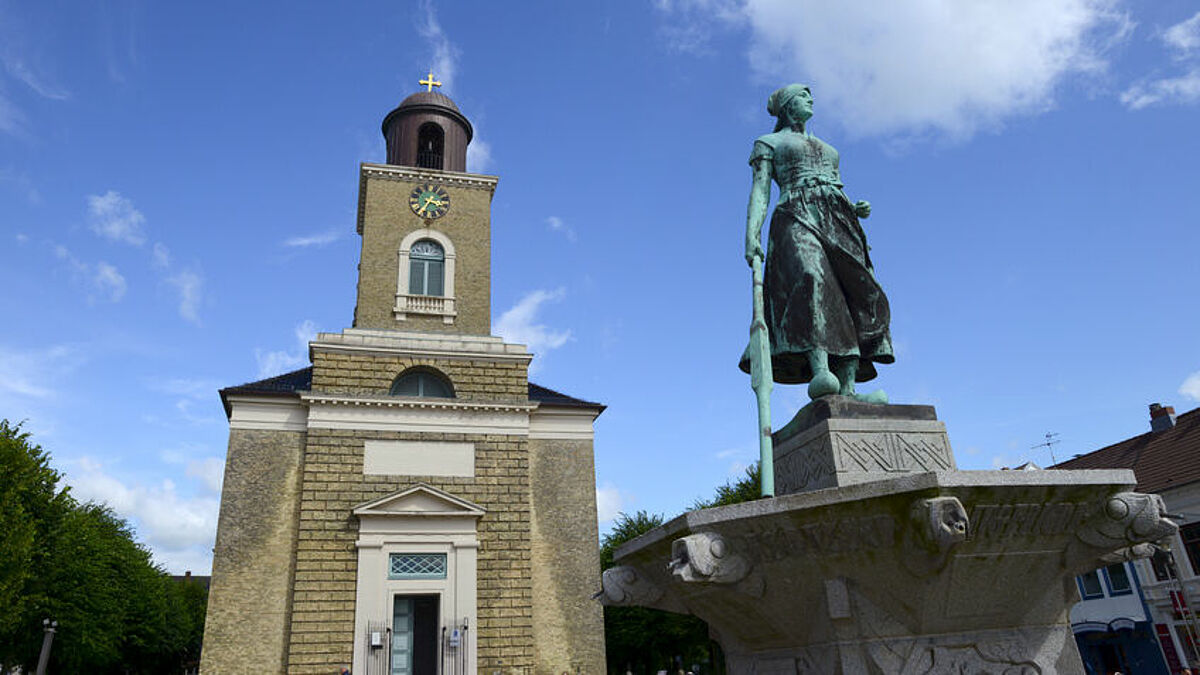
{"points": [[49, 627]]}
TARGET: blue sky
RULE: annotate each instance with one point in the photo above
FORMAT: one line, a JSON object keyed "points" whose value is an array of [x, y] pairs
{"points": [[178, 188]]}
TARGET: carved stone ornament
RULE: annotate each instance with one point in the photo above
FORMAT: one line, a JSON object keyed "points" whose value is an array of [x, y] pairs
{"points": [[941, 522], [707, 557], [1135, 552], [624, 585], [1126, 519]]}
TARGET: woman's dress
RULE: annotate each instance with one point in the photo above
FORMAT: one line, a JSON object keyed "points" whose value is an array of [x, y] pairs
{"points": [[819, 288]]}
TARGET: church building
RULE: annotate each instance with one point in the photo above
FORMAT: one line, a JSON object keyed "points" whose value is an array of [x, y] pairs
{"points": [[410, 503]]}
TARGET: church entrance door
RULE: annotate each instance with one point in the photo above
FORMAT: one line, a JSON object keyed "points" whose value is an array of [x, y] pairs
{"points": [[414, 635]]}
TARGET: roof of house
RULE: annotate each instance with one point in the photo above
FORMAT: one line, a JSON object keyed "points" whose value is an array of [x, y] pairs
{"points": [[1160, 460], [291, 384]]}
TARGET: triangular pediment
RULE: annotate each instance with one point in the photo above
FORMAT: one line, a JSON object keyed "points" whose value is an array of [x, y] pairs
{"points": [[420, 500]]}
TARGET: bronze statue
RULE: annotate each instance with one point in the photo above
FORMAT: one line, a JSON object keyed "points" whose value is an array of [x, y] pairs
{"points": [[826, 316]]}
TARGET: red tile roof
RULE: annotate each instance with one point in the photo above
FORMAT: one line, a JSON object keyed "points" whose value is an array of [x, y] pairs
{"points": [[1161, 461]]}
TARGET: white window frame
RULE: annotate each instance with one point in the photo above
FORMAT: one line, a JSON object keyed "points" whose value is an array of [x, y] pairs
{"points": [[408, 303]]}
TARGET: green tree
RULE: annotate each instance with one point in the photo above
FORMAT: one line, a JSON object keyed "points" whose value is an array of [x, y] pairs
{"points": [[647, 640], [31, 510], [81, 565], [745, 489]]}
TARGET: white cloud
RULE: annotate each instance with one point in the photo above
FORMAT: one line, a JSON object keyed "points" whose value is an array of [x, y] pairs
{"points": [[1184, 40], [913, 67], [109, 281], [189, 285], [20, 181], [1182, 89], [740, 459], [519, 324], [160, 256], [114, 217], [12, 120], [1185, 35], [690, 29], [101, 279], [187, 387], [1191, 386], [556, 224], [271, 363], [443, 60], [210, 471], [22, 238], [172, 524], [21, 71], [318, 239], [479, 156], [32, 373], [190, 393], [610, 501]]}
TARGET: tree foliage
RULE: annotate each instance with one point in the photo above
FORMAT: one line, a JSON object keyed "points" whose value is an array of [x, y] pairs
{"points": [[745, 489], [80, 565], [645, 640]]}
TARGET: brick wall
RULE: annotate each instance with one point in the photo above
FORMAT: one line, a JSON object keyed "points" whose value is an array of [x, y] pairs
{"points": [[322, 627], [322, 631], [568, 624], [249, 602], [387, 219], [343, 373]]}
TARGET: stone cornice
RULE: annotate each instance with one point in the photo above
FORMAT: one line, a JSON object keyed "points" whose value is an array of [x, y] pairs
{"points": [[469, 181], [447, 416], [391, 343], [317, 398]]}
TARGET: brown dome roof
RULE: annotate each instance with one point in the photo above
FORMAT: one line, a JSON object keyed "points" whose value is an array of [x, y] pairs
{"points": [[428, 98], [430, 102]]}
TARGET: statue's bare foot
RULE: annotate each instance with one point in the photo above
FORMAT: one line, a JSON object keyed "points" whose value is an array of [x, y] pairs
{"points": [[877, 397], [823, 383]]}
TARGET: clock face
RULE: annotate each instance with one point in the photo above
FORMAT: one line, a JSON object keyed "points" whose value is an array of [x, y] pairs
{"points": [[429, 201]]}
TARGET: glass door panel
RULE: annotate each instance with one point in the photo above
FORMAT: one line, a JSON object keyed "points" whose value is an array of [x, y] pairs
{"points": [[402, 635]]}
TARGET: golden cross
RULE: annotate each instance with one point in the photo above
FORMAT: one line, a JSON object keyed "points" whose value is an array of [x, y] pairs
{"points": [[429, 81]]}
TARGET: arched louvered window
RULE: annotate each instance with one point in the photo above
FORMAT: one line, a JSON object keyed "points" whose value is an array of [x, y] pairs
{"points": [[425, 382], [426, 268], [431, 141]]}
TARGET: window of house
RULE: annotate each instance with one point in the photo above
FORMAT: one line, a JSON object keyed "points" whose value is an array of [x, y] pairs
{"points": [[430, 143], [1118, 579], [1190, 534], [422, 382], [417, 566], [1089, 585], [427, 268]]}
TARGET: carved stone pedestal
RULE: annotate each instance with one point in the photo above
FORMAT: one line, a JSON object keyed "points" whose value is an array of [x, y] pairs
{"points": [[837, 441], [922, 574]]}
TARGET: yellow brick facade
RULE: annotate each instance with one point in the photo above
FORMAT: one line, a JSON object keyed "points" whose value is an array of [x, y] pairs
{"points": [[322, 624], [287, 582], [385, 219]]}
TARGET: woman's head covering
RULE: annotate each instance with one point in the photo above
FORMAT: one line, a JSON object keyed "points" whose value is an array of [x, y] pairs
{"points": [[778, 100]]}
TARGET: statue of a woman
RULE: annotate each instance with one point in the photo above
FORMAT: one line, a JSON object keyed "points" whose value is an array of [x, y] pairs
{"points": [[826, 315]]}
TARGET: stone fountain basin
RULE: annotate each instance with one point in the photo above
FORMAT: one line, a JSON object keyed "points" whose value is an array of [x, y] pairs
{"points": [[919, 555]]}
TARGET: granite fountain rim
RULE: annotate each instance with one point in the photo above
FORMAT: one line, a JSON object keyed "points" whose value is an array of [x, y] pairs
{"points": [[1119, 479]]}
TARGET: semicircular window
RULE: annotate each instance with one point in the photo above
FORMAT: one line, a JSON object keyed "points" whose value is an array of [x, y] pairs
{"points": [[422, 382]]}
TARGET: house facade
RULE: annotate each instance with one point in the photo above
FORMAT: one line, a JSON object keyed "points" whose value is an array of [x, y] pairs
{"points": [[1165, 588]]}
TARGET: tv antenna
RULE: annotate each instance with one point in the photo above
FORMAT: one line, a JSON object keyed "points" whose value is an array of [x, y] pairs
{"points": [[1051, 440]]}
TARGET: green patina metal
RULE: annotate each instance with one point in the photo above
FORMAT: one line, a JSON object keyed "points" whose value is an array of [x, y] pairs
{"points": [[825, 318]]}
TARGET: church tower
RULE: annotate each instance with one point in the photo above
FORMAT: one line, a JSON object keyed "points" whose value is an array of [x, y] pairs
{"points": [[425, 226], [410, 504]]}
